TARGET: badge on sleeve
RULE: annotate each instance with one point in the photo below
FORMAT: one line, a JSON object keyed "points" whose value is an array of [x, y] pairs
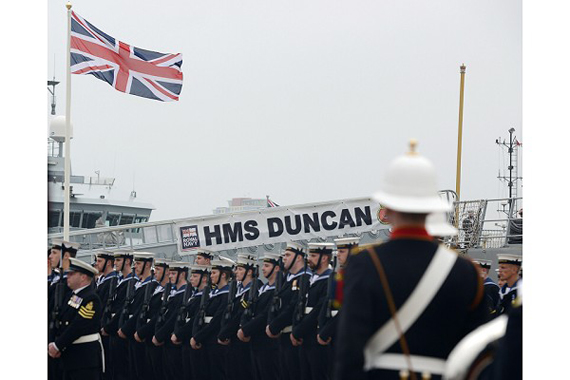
{"points": [[87, 311]]}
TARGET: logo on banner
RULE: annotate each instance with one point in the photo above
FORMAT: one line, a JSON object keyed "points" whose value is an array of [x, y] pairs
{"points": [[190, 237], [382, 218]]}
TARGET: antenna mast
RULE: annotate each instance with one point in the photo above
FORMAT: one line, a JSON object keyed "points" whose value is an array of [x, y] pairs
{"points": [[52, 83], [512, 145]]}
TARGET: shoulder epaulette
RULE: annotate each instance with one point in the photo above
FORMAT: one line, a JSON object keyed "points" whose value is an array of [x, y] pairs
{"points": [[361, 248]]}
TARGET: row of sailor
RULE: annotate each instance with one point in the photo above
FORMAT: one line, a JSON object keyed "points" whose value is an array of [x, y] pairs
{"points": [[398, 310]]}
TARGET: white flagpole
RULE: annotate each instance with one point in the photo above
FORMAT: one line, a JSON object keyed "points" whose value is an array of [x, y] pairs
{"points": [[67, 192]]}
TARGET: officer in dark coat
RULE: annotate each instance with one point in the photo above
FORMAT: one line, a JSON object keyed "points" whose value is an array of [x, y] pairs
{"points": [[77, 339], [193, 361], [509, 269], [314, 358], [491, 288], [264, 350], [280, 321], [165, 324], [146, 321], [383, 283], [207, 323]]}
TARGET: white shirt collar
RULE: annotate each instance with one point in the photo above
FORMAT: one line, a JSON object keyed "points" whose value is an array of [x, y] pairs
{"points": [[76, 291]]}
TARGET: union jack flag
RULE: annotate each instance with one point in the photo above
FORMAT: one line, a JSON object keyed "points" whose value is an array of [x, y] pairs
{"points": [[129, 69]]}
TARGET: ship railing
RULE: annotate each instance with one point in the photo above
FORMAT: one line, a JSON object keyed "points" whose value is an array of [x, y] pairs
{"points": [[138, 236], [487, 223]]}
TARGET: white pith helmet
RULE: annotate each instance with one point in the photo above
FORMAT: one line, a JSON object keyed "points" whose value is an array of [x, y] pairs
{"points": [[437, 225], [410, 185]]}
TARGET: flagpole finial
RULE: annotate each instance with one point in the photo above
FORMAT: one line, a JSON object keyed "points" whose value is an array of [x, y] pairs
{"points": [[68, 5]]}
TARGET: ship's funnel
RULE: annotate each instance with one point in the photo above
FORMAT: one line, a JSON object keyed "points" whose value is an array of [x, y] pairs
{"points": [[57, 129]]}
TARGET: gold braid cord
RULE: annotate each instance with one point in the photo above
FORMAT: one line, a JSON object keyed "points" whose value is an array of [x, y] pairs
{"points": [[392, 307]]}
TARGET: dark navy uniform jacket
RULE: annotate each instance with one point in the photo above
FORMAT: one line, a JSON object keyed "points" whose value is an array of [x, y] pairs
{"points": [[146, 322], [508, 296], [328, 323], [186, 315], [456, 309], [255, 327], [80, 316], [66, 292], [215, 308], [491, 295], [104, 286], [118, 302], [306, 328], [165, 325], [129, 326], [230, 327], [289, 296]]}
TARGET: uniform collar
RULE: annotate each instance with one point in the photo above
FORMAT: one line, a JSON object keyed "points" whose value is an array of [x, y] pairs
{"points": [[111, 274], [419, 233], [76, 291]]}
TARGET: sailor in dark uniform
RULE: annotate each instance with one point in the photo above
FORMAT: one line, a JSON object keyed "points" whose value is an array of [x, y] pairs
{"points": [[491, 288], [408, 301], [146, 321], [239, 361], [203, 257], [58, 292], [135, 299], [329, 313], [314, 358], [69, 251], [118, 347], [264, 350], [207, 323], [193, 361], [509, 267], [77, 339], [106, 285], [280, 320], [165, 325]]}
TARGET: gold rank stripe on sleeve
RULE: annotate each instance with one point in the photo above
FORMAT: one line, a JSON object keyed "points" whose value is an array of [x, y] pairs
{"points": [[86, 314], [87, 311]]}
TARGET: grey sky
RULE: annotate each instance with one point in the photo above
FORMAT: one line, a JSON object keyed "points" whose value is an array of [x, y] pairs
{"points": [[303, 101]]}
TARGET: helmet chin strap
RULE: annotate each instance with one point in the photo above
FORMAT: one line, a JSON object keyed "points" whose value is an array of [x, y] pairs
{"points": [[293, 261], [247, 269], [200, 281], [272, 270], [163, 274]]}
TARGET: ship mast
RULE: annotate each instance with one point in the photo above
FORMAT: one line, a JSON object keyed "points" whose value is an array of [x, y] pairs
{"points": [[512, 145], [52, 83]]}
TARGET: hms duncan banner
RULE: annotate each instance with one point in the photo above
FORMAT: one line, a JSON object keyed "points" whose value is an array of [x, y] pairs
{"points": [[279, 224]]}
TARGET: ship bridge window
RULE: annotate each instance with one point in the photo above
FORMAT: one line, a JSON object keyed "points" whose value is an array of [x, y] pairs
{"points": [[54, 218], [112, 219], [75, 219], [90, 219], [127, 219], [141, 219]]}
